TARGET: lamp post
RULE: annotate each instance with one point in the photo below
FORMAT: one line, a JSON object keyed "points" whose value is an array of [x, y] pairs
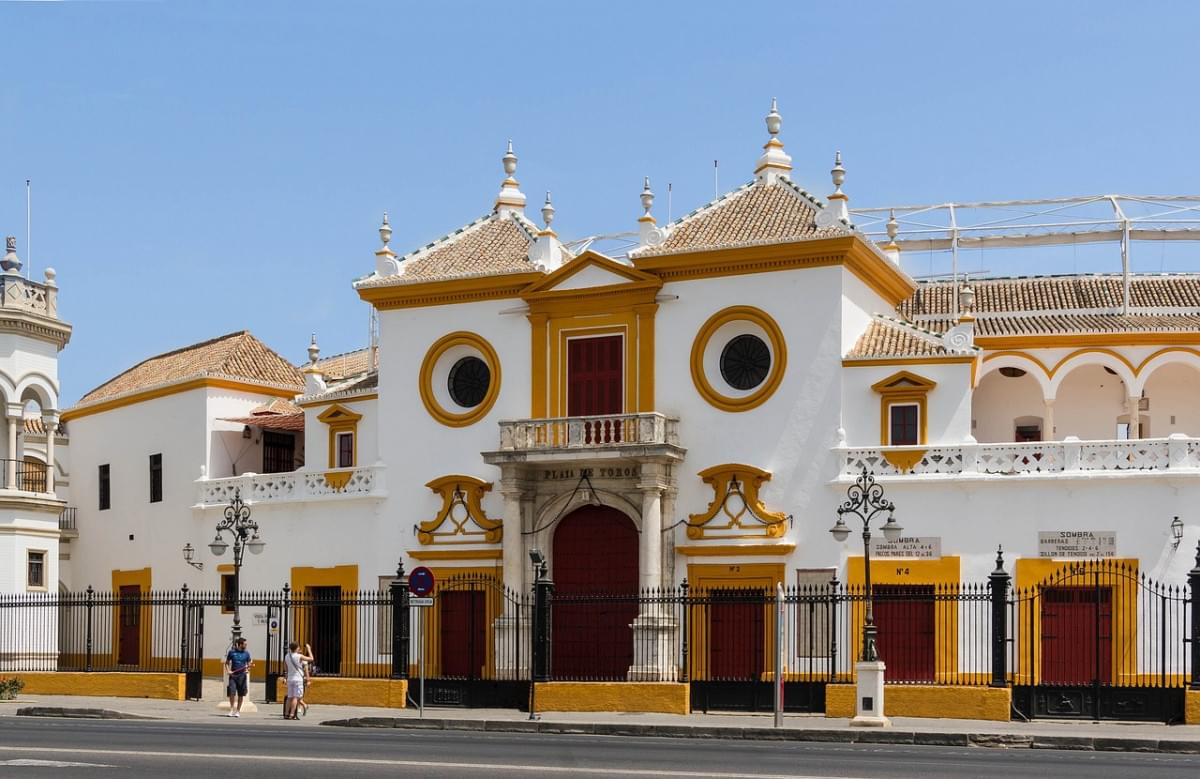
{"points": [[244, 530], [865, 500]]}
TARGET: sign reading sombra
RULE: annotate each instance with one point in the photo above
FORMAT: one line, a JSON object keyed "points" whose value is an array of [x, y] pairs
{"points": [[1077, 543], [910, 547]]}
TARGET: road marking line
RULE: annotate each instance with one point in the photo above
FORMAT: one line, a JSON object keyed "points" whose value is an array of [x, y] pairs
{"points": [[411, 763], [54, 764]]}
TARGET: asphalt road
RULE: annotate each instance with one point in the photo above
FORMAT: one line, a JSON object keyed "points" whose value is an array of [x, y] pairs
{"points": [[33, 747]]}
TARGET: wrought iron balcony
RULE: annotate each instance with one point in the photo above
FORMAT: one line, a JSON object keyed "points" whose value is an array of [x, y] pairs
{"points": [[1176, 454], [66, 519], [26, 476], [294, 486]]}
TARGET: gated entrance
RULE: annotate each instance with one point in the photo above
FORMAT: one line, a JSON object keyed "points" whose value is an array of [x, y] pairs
{"points": [[1098, 640], [905, 620]]}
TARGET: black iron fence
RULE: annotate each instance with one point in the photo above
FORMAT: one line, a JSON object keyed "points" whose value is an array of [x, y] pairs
{"points": [[29, 475], [66, 518]]}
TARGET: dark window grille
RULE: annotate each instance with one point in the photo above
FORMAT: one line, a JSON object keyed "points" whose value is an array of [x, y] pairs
{"points": [[904, 425], [745, 362], [345, 447], [469, 381], [104, 488], [37, 569], [279, 452], [156, 478]]}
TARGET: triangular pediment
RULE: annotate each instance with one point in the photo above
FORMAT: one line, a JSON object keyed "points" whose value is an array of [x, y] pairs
{"points": [[903, 381], [591, 270]]}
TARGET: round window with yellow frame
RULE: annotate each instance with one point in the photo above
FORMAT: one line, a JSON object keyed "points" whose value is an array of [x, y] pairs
{"points": [[460, 379], [738, 358]]}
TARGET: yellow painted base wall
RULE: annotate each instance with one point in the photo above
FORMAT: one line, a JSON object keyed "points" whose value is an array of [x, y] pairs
{"points": [[115, 685], [383, 693], [663, 698], [908, 700], [1191, 707]]}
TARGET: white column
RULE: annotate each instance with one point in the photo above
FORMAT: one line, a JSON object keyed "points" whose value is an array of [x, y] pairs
{"points": [[1133, 412], [51, 424], [1048, 421], [10, 471], [511, 544], [650, 545]]}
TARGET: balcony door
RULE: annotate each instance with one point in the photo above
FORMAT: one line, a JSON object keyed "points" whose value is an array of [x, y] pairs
{"points": [[595, 375]]}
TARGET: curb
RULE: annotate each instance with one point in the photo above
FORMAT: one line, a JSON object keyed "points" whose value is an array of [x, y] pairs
{"points": [[56, 711], [847, 736]]}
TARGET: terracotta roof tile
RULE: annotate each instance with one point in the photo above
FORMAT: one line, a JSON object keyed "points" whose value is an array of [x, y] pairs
{"points": [[495, 244], [340, 366], [757, 213], [888, 338], [35, 426], [237, 355]]}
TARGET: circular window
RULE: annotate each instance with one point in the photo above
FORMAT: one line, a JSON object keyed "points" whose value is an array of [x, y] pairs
{"points": [[738, 358], [468, 381], [745, 362], [460, 379]]}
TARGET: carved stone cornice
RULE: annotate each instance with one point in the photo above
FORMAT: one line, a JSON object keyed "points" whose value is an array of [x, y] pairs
{"points": [[43, 328]]}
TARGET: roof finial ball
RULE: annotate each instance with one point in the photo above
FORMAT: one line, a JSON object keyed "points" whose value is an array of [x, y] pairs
{"points": [[647, 197], [314, 351], [509, 160], [893, 227], [838, 173], [548, 211], [385, 231], [774, 120]]}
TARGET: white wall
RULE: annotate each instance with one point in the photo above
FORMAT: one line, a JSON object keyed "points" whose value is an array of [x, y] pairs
{"points": [[948, 404], [1089, 401], [999, 399], [316, 433], [1173, 391]]}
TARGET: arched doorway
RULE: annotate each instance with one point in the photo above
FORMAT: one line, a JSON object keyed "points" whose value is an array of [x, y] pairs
{"points": [[595, 594]]}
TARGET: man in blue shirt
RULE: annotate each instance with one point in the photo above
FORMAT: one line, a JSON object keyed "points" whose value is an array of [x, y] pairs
{"points": [[238, 664]]}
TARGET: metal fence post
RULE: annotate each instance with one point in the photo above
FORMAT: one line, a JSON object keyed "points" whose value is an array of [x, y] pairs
{"points": [[831, 607], [400, 624], [183, 628], [543, 590], [998, 583], [1194, 588], [687, 612], [91, 596]]}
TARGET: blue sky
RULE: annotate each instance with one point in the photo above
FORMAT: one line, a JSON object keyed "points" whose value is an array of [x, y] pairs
{"points": [[200, 168]]}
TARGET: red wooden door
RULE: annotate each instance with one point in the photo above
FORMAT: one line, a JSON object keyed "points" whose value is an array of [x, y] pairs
{"points": [[1076, 635], [464, 633], [595, 382], [595, 554], [736, 635], [904, 623], [128, 641]]}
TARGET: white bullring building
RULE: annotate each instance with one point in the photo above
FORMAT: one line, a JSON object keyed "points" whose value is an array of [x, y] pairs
{"points": [[694, 407]]}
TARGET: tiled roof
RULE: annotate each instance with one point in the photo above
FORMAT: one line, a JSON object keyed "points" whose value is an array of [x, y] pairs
{"points": [[495, 244], [1054, 305], [237, 355], [35, 426], [886, 337], [757, 213], [339, 366]]}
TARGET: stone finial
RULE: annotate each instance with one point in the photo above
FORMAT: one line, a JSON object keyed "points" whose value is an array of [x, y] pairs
{"points": [[385, 231], [548, 211], [838, 201], [649, 234], [510, 197], [51, 276], [647, 200], [774, 162], [11, 262], [966, 299], [891, 248], [314, 378], [314, 351]]}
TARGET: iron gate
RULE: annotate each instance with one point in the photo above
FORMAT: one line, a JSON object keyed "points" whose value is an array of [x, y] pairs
{"points": [[191, 660], [1098, 640]]}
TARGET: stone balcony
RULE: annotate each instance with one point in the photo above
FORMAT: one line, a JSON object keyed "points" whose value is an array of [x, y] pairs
{"points": [[1176, 455], [294, 486], [611, 436]]}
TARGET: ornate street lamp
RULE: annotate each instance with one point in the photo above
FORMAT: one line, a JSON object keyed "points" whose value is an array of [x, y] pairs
{"points": [[244, 530], [865, 500]]}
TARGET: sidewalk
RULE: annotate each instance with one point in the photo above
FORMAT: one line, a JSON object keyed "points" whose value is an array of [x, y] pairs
{"points": [[1108, 736]]}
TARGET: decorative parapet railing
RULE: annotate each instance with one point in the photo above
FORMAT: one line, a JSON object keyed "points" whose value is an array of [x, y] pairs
{"points": [[25, 295], [1178, 453], [295, 486], [589, 432]]}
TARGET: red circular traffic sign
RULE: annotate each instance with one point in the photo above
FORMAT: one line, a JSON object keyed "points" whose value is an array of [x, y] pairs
{"points": [[420, 581]]}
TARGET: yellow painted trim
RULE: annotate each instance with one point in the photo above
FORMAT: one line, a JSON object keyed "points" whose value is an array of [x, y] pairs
{"points": [[305, 578], [737, 550], [904, 459], [948, 359], [719, 477], [456, 554], [337, 691], [588, 259], [1122, 358], [1033, 572], [645, 314], [1191, 707], [731, 576], [175, 389], [778, 362], [429, 399], [340, 419], [917, 700], [945, 572], [852, 252], [903, 389], [440, 293], [539, 378], [160, 686], [225, 568], [1085, 340], [624, 325], [337, 480], [632, 697], [473, 491], [347, 399], [141, 578]]}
